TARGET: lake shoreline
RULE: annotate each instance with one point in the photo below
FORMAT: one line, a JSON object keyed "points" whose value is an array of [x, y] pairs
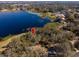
{"points": [[19, 20]]}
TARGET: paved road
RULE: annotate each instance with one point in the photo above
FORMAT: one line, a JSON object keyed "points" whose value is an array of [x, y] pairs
{"points": [[76, 55]]}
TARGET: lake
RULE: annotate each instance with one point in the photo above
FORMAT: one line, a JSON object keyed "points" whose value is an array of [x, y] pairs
{"points": [[18, 21]]}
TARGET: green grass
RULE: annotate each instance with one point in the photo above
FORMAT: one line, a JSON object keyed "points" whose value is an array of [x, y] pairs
{"points": [[53, 25], [7, 37]]}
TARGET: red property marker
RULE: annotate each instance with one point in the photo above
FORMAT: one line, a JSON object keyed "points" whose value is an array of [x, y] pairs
{"points": [[33, 30]]}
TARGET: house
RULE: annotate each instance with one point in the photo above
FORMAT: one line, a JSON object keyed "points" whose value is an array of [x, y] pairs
{"points": [[60, 17]]}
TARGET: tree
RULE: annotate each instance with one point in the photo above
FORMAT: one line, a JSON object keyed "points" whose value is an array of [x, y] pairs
{"points": [[70, 16]]}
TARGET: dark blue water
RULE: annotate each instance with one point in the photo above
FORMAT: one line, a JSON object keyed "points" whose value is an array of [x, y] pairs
{"points": [[17, 22]]}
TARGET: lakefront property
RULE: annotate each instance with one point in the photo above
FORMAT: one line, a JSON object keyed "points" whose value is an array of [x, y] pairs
{"points": [[39, 29]]}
